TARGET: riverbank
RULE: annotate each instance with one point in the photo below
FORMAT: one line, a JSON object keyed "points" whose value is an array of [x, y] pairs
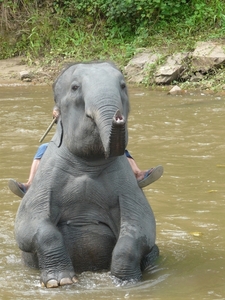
{"points": [[50, 32], [17, 71]]}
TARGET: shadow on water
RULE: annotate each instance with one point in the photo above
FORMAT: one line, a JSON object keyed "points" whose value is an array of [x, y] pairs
{"points": [[183, 133]]}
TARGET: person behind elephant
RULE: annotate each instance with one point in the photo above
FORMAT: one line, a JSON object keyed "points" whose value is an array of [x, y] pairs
{"points": [[144, 177]]}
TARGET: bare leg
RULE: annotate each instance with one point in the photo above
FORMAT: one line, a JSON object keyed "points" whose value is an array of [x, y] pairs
{"points": [[20, 189], [33, 171], [146, 177], [139, 174]]}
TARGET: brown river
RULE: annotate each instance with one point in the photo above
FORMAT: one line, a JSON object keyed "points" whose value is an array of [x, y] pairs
{"points": [[185, 134]]}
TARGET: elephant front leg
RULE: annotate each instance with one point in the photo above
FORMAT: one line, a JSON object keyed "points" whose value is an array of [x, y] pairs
{"points": [[126, 259], [54, 262]]}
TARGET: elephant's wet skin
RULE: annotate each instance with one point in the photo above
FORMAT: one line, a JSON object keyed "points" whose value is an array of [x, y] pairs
{"points": [[84, 210]]}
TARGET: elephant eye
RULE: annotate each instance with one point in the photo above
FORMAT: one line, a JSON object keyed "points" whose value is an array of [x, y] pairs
{"points": [[74, 87]]}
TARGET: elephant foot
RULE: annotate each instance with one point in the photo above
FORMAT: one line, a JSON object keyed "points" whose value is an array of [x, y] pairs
{"points": [[63, 280]]}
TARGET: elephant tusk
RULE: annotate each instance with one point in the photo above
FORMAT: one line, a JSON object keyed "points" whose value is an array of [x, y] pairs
{"points": [[48, 129]]}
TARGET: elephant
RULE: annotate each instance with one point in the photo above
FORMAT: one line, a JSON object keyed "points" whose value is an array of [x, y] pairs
{"points": [[84, 210]]}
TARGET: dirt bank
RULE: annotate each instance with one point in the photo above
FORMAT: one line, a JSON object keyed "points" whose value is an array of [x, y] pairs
{"points": [[13, 71]]}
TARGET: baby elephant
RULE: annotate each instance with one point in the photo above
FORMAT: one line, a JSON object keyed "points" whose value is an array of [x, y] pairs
{"points": [[84, 210]]}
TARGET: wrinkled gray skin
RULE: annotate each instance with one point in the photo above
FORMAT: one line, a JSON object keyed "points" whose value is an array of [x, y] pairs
{"points": [[84, 210]]}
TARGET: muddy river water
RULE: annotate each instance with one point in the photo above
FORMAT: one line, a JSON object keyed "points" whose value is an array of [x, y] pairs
{"points": [[185, 134]]}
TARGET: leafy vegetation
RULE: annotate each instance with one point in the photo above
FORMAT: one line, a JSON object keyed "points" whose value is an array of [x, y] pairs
{"points": [[100, 29]]}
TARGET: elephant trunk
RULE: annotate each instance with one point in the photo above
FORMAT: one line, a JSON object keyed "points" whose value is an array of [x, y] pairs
{"points": [[117, 138], [112, 132]]}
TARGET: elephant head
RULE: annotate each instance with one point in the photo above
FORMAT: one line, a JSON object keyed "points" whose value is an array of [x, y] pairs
{"points": [[93, 101]]}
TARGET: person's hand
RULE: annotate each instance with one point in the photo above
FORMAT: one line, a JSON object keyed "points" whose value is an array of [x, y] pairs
{"points": [[55, 113]]}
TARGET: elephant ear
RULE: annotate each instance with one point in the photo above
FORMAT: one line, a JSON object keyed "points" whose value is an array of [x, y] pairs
{"points": [[58, 137]]}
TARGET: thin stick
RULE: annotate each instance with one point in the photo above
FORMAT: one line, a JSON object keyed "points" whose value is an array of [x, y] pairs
{"points": [[47, 130]]}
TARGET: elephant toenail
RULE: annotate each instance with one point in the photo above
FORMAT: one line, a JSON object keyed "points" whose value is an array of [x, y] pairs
{"points": [[52, 283], [65, 281], [75, 279]]}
